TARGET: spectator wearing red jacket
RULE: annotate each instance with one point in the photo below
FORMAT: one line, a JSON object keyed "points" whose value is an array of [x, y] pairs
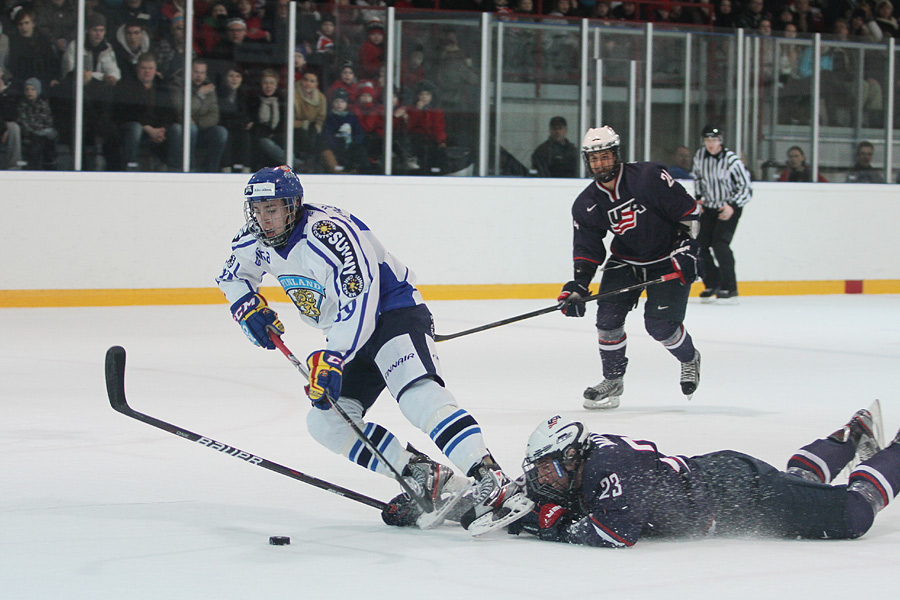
{"points": [[371, 52], [427, 134]]}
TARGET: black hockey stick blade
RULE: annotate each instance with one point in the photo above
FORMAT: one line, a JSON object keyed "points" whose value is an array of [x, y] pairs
{"points": [[543, 311], [115, 388]]}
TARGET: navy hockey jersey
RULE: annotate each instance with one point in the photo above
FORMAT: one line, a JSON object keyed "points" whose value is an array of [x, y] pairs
{"points": [[629, 490], [642, 212]]}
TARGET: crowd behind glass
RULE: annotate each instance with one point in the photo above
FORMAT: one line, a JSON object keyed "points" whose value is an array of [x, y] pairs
{"points": [[134, 76]]}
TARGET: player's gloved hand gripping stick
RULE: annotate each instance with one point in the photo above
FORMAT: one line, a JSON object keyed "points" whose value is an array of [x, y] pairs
{"points": [[423, 502], [560, 306]]}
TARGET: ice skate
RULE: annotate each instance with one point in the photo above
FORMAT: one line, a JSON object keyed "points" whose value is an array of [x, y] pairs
{"points": [[498, 501], [727, 297], [708, 296], [436, 482], [864, 431], [604, 395], [690, 376]]}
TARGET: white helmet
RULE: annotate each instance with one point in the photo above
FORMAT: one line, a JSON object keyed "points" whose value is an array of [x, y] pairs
{"points": [[560, 443], [595, 140]]}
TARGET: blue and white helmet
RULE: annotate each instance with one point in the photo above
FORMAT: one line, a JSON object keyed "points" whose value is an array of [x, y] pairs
{"points": [[267, 184], [557, 446]]}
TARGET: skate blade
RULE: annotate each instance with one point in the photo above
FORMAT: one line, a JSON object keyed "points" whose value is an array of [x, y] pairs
{"points": [[453, 493], [517, 507], [607, 403]]}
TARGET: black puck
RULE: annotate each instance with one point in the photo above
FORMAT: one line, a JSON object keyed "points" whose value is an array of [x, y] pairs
{"points": [[279, 540]]}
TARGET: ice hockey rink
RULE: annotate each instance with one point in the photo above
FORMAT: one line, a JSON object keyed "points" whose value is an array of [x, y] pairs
{"points": [[98, 506]]}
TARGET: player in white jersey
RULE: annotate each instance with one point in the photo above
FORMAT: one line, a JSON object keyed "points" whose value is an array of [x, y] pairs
{"points": [[379, 333]]}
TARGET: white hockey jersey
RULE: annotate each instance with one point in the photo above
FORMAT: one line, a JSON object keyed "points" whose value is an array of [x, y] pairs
{"points": [[335, 271]]}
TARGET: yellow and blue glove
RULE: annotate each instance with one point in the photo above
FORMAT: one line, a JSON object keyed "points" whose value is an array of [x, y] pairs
{"points": [[255, 317], [325, 373]]}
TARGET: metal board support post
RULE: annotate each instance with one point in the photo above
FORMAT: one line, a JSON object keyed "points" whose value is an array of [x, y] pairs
{"points": [[290, 84], [889, 114], [391, 53], [816, 108], [498, 96], [648, 87], [632, 108], [584, 87], [186, 88], [484, 101], [78, 78], [739, 95], [688, 82]]}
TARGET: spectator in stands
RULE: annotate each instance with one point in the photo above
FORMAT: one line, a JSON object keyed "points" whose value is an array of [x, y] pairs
{"points": [[234, 115], [31, 52], [564, 8], [143, 110], [10, 132], [307, 24], [626, 11], [797, 170], [752, 15], [556, 156], [138, 11], [207, 137], [324, 54], [427, 133], [863, 25], [682, 163], [36, 123], [808, 18], [600, 10], [863, 171], [342, 138], [458, 82], [4, 48], [255, 29], [101, 73], [132, 41], [412, 71], [213, 27], [884, 18], [785, 17], [170, 51], [765, 27], [267, 112], [346, 81], [371, 53], [310, 110], [57, 20], [724, 16], [839, 85]]}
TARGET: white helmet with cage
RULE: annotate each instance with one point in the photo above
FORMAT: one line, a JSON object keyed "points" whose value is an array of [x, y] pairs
{"points": [[553, 452], [598, 139]]}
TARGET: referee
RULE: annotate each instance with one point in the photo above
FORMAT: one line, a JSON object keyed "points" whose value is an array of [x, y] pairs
{"points": [[722, 186]]}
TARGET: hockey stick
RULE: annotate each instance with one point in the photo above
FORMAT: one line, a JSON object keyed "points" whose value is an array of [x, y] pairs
{"points": [[549, 309], [115, 389], [424, 503]]}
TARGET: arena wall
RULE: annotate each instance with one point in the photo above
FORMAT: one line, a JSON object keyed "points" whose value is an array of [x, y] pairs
{"points": [[75, 239]]}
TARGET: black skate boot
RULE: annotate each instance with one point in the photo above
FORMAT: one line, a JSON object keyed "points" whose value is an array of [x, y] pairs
{"points": [[690, 376]]}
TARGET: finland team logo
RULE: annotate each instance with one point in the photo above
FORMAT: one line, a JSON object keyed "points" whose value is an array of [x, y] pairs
{"points": [[305, 293]]}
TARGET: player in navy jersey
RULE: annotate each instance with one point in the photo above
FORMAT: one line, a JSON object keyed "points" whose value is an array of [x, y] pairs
{"points": [[653, 222], [379, 334], [611, 491]]}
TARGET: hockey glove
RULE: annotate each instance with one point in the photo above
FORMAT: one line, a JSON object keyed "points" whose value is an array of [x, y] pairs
{"points": [[686, 261], [256, 319], [549, 523], [325, 372], [571, 298]]}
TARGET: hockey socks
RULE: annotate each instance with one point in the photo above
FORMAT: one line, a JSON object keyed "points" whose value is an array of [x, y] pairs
{"points": [[821, 460], [878, 479]]}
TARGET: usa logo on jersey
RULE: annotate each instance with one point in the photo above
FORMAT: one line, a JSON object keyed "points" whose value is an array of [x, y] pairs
{"points": [[624, 217]]}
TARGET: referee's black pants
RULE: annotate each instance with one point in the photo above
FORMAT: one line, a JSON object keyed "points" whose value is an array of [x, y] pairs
{"points": [[715, 249]]}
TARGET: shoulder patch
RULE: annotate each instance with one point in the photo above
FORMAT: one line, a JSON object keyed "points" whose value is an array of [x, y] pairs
{"points": [[335, 239]]}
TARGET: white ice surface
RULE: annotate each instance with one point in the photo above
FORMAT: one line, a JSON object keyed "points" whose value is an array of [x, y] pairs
{"points": [[98, 506]]}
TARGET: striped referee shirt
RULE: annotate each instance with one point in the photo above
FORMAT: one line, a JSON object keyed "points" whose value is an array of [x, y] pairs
{"points": [[721, 179]]}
